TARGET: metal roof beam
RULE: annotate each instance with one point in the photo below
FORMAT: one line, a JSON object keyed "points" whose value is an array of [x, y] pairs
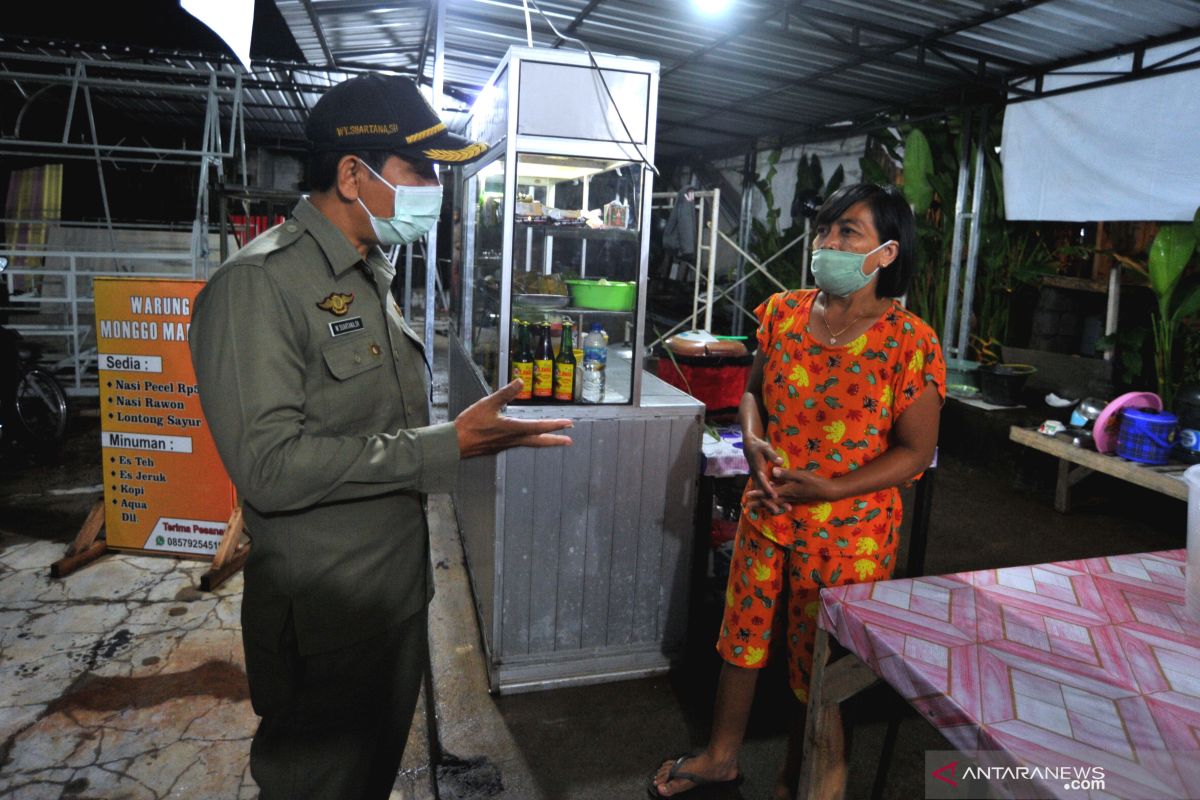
{"points": [[839, 91], [725, 131], [361, 52], [318, 31], [888, 54], [1041, 93], [119, 66], [738, 30], [912, 41], [1142, 45], [338, 7], [883, 54], [296, 93], [691, 102], [1138, 70], [1007, 9], [427, 38], [575, 23]]}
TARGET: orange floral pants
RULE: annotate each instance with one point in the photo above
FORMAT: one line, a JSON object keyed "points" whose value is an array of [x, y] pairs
{"points": [[753, 619]]}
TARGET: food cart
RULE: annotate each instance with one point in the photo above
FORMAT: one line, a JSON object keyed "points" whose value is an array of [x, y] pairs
{"points": [[579, 557]]}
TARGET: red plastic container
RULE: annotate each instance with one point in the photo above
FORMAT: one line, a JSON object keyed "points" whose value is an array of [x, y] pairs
{"points": [[718, 382]]}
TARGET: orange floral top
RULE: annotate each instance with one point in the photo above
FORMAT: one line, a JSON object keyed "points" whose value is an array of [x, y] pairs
{"points": [[830, 409]]}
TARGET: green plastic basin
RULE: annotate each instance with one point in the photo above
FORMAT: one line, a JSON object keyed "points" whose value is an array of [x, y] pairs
{"points": [[602, 294]]}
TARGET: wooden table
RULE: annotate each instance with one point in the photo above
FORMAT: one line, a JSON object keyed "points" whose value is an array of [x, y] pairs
{"points": [[1076, 463], [1087, 664]]}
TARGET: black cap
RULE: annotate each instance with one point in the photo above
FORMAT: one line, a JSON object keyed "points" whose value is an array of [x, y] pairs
{"points": [[385, 112]]}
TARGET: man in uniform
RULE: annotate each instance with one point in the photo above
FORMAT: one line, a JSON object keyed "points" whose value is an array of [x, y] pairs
{"points": [[316, 392]]}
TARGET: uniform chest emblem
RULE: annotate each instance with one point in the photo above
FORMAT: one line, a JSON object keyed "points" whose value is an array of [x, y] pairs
{"points": [[337, 304]]}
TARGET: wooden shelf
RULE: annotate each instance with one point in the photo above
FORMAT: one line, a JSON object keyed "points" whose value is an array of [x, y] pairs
{"points": [[1086, 284], [1167, 479], [1079, 284]]}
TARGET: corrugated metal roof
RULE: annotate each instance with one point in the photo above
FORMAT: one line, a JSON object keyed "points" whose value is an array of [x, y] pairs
{"points": [[786, 71], [764, 72]]}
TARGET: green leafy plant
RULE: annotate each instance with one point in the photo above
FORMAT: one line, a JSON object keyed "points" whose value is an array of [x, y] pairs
{"points": [[1177, 300], [766, 238], [918, 169], [925, 166], [1011, 255], [1126, 346]]}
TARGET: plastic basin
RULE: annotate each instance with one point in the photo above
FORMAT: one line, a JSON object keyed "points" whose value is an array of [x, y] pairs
{"points": [[962, 372], [1002, 383], [602, 294]]}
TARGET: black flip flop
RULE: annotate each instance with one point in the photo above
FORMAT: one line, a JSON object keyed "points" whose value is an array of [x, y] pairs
{"points": [[697, 781]]}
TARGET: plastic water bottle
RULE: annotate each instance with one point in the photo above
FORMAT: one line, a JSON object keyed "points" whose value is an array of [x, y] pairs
{"points": [[595, 359]]}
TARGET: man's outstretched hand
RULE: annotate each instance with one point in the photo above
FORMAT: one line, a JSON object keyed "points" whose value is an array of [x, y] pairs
{"points": [[483, 430]]}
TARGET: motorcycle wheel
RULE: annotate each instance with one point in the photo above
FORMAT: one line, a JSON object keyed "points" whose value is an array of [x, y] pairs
{"points": [[40, 408]]}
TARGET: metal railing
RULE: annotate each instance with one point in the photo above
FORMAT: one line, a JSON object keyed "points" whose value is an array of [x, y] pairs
{"points": [[68, 318]]}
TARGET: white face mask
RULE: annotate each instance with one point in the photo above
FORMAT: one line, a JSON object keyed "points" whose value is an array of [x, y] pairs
{"points": [[415, 210]]}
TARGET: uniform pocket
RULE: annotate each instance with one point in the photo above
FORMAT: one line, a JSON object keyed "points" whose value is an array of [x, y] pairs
{"points": [[352, 357]]}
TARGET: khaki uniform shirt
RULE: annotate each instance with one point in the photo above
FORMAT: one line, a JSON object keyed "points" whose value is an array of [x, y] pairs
{"points": [[322, 420]]}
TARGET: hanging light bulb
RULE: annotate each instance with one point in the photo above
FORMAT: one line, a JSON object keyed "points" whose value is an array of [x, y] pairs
{"points": [[711, 6]]}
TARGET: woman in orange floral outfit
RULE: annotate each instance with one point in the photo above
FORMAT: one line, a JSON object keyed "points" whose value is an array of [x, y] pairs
{"points": [[841, 408]]}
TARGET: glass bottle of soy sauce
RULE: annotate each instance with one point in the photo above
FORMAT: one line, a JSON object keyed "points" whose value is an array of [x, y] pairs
{"points": [[564, 367], [522, 362], [543, 366]]}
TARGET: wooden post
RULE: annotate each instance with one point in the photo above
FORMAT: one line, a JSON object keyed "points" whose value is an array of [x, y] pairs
{"points": [[823, 771], [87, 547], [1062, 490], [231, 553]]}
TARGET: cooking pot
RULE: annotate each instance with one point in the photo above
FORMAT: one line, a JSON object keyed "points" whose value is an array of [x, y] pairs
{"points": [[1086, 412], [1002, 383]]}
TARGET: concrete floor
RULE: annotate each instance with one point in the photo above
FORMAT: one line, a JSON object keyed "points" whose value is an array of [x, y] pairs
{"points": [[125, 681]]}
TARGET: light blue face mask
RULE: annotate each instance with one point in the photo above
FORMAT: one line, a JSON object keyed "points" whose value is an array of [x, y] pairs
{"points": [[840, 273], [415, 210]]}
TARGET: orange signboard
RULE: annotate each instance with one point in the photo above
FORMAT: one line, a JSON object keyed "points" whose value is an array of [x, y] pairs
{"points": [[165, 489]]}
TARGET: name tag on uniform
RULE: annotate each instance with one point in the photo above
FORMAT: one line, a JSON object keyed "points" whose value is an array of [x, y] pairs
{"points": [[345, 326]]}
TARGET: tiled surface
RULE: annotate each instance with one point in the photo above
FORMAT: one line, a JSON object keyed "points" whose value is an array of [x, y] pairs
{"points": [[121, 680], [1090, 663]]}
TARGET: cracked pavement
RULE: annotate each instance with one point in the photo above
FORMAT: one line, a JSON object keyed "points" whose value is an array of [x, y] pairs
{"points": [[121, 680]]}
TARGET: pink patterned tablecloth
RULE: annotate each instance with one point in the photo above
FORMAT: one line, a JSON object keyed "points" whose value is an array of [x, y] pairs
{"points": [[1076, 663], [722, 453]]}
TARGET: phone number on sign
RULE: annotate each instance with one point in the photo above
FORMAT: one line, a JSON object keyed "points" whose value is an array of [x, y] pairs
{"points": [[189, 543]]}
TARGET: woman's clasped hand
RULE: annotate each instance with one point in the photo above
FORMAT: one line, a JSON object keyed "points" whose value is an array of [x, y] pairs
{"points": [[790, 487]]}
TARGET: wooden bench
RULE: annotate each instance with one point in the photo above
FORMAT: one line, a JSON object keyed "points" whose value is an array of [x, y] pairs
{"points": [[1076, 463]]}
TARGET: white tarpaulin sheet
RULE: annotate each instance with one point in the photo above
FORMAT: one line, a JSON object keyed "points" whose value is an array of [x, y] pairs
{"points": [[1128, 151], [232, 20]]}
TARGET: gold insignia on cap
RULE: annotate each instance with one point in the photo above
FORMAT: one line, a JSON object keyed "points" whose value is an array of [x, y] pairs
{"points": [[464, 154], [336, 304], [425, 134], [367, 129]]}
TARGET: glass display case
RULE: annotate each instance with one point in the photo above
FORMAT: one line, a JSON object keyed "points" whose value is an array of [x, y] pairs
{"points": [[578, 555], [554, 223]]}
